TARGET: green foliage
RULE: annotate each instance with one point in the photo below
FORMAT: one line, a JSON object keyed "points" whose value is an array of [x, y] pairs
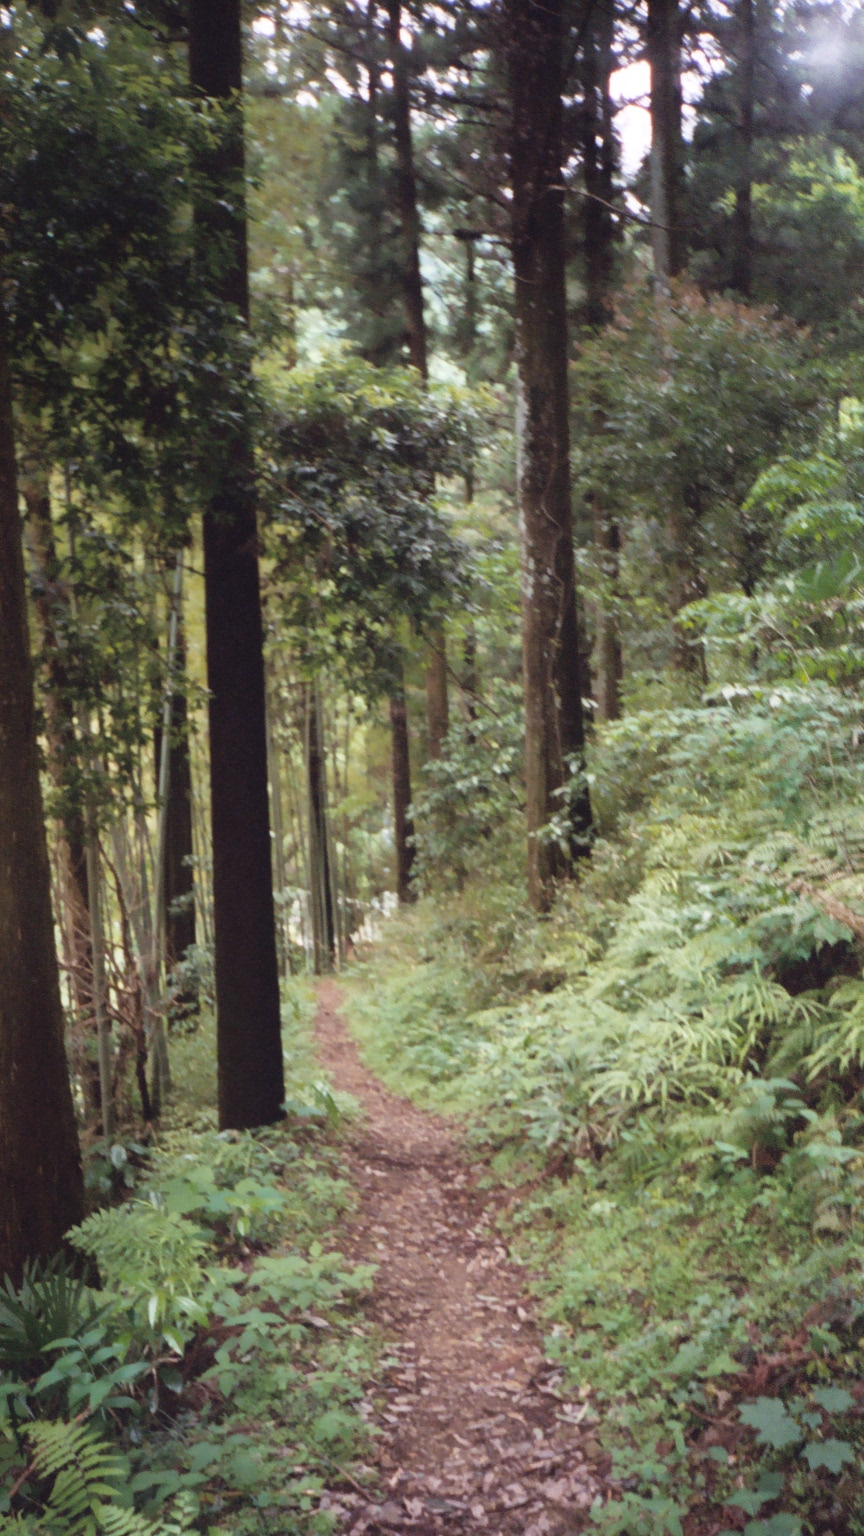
{"points": [[86, 1474], [696, 400], [353, 511], [679, 1048], [152, 1260], [470, 804], [51, 1303]]}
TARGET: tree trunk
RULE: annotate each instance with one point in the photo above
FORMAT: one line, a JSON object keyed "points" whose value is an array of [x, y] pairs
{"points": [[598, 162], [470, 677], [320, 875], [663, 40], [251, 1084], [415, 321], [53, 610], [179, 873], [554, 727], [742, 266], [403, 826], [41, 1190], [406, 192], [599, 232], [437, 701]]}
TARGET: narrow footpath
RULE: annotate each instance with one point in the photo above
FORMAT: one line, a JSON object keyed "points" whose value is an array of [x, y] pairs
{"points": [[476, 1435]]}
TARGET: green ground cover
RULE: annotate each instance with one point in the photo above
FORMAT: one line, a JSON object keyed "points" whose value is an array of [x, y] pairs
{"points": [[214, 1380], [666, 1077]]}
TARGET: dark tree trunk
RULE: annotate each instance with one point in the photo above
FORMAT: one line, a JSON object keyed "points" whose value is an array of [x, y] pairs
{"points": [[403, 826], [179, 873], [320, 873], [742, 267], [470, 677], [251, 1084], [554, 727], [598, 161], [406, 192], [437, 699], [664, 54], [599, 233], [41, 1190]]}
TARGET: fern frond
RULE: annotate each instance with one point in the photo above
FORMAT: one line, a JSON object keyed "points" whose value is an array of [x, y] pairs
{"points": [[86, 1472]]}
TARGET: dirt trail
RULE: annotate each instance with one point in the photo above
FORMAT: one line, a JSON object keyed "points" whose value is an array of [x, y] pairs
{"points": [[475, 1434]]}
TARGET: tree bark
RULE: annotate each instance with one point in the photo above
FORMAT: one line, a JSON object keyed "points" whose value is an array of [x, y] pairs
{"points": [[599, 234], [415, 322], [403, 826], [406, 192], [179, 874], [742, 266], [251, 1084], [437, 699], [41, 1190], [663, 40], [598, 163], [51, 601], [554, 726]]}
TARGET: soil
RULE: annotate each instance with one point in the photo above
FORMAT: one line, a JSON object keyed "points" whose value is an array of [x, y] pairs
{"points": [[474, 1433]]}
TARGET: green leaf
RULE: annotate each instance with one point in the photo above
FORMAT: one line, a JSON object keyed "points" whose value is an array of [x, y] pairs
{"points": [[830, 1454], [778, 1525], [768, 1415], [722, 1365], [833, 1399]]}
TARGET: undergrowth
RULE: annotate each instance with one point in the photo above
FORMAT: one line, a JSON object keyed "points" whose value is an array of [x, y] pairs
{"points": [[667, 1073], [214, 1380]]}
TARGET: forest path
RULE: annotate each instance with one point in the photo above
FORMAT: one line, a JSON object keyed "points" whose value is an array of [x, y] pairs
{"points": [[474, 1435]]}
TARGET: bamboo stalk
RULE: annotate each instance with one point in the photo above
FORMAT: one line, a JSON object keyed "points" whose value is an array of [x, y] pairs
{"points": [[97, 942], [161, 1064]]}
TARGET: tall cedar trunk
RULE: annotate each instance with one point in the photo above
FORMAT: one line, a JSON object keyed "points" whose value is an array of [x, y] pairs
{"points": [[406, 193], [599, 235], [52, 605], [554, 728], [437, 701], [470, 673], [742, 266], [403, 826], [598, 163], [415, 322], [251, 1084], [664, 54], [320, 875], [41, 1190]]}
